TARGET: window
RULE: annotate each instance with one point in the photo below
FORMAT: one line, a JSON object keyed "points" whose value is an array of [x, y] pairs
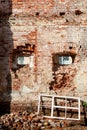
{"points": [[64, 60], [24, 60]]}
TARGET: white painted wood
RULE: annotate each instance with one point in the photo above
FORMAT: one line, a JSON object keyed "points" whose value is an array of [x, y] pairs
{"points": [[39, 103], [65, 107], [52, 106], [79, 108]]}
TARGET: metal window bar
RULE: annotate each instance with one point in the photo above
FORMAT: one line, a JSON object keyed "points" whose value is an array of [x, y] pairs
{"points": [[65, 107]]}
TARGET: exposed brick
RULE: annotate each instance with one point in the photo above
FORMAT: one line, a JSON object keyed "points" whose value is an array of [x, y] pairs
{"points": [[51, 28]]}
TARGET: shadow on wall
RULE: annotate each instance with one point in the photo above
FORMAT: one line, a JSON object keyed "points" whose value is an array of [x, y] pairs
{"points": [[55, 67], [6, 45]]}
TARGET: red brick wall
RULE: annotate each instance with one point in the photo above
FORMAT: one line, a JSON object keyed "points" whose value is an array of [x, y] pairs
{"points": [[54, 27]]}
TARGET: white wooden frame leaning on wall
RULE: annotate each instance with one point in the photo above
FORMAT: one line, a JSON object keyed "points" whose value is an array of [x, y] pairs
{"points": [[65, 106]]}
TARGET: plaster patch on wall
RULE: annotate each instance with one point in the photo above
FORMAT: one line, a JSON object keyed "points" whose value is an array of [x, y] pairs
{"points": [[81, 79], [25, 89]]}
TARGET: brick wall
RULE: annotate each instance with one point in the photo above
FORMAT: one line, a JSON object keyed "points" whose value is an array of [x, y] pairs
{"points": [[55, 28]]}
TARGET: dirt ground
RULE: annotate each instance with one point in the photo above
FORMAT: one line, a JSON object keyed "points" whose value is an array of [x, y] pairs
{"points": [[76, 127]]}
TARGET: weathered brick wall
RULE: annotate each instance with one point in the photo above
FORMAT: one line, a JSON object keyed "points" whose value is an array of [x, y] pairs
{"points": [[55, 27]]}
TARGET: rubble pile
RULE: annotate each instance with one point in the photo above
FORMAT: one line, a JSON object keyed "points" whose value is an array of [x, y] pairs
{"points": [[26, 121]]}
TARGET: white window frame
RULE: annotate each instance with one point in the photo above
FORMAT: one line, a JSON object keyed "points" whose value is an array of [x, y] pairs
{"points": [[63, 61], [27, 60], [57, 106]]}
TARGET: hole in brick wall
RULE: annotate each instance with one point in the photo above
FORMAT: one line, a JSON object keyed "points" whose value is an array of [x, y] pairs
{"points": [[70, 47], [37, 13], [67, 20], [80, 46], [78, 12], [2, 1], [62, 13]]}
